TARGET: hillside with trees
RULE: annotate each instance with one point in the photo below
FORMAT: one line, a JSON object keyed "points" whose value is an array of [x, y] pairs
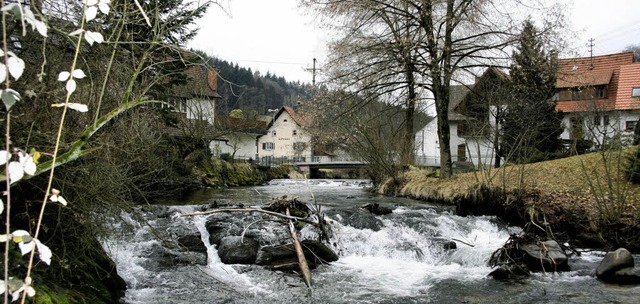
{"points": [[242, 88]]}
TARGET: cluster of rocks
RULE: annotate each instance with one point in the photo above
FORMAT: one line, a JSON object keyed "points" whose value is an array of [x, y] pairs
{"points": [[246, 238], [617, 266]]}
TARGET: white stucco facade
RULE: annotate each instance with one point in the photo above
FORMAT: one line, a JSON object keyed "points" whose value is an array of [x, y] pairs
{"points": [[602, 126], [285, 138], [236, 144], [476, 150]]}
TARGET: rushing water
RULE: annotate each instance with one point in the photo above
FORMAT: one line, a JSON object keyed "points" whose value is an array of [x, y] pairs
{"points": [[395, 258]]}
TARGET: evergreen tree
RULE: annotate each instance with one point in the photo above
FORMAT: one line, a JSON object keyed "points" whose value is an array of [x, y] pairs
{"points": [[531, 126]]}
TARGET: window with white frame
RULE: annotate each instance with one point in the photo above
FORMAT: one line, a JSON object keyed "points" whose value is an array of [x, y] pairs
{"points": [[268, 146], [630, 125]]}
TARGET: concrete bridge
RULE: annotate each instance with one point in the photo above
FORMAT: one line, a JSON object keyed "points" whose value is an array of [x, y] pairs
{"points": [[311, 165]]}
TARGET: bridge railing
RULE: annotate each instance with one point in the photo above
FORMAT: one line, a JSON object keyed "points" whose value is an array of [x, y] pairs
{"points": [[272, 161]]}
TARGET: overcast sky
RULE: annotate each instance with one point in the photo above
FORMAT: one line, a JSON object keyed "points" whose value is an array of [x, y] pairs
{"points": [[275, 36]]}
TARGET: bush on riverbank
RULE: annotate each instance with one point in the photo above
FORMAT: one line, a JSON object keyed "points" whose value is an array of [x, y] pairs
{"points": [[214, 172], [575, 195]]}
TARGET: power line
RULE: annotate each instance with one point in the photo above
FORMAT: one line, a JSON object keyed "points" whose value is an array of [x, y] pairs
{"points": [[262, 61]]}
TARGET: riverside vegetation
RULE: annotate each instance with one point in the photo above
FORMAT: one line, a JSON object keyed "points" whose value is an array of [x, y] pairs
{"points": [[585, 200]]}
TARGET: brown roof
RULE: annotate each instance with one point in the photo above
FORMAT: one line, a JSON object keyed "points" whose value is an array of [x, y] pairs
{"points": [[302, 119], [583, 78], [241, 125], [459, 94], [201, 82], [599, 70]]}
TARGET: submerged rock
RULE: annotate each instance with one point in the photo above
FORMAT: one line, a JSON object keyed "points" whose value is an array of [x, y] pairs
{"points": [[618, 267], [512, 271], [376, 209]]}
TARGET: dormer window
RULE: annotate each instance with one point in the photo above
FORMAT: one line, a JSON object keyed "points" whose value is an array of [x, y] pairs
{"points": [[295, 132], [635, 92]]}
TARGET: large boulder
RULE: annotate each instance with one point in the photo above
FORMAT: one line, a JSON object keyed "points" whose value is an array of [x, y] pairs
{"points": [[614, 261], [238, 250], [192, 242], [545, 256], [279, 257], [318, 252], [618, 267]]}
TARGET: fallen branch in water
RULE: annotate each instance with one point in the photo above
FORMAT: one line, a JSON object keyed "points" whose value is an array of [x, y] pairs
{"points": [[463, 242], [276, 214], [302, 261]]}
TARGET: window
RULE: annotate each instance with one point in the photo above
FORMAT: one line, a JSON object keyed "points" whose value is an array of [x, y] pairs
{"points": [[601, 92], [268, 146], [295, 132], [273, 133], [462, 152], [596, 120], [299, 146], [635, 92], [605, 120], [461, 130], [630, 125]]}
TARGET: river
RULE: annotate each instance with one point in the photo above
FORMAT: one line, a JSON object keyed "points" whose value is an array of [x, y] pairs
{"points": [[394, 258]]}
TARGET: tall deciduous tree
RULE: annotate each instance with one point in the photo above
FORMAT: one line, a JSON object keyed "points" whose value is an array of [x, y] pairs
{"points": [[532, 126], [376, 59], [445, 40]]}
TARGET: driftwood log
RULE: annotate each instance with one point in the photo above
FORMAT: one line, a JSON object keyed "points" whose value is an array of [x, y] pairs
{"points": [[302, 260]]}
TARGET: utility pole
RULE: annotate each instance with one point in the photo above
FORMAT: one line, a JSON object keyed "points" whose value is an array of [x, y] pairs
{"points": [[313, 72], [590, 45]]}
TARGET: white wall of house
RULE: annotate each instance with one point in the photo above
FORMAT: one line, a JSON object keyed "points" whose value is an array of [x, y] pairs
{"points": [[200, 109], [244, 145], [285, 138], [600, 126], [475, 150]]}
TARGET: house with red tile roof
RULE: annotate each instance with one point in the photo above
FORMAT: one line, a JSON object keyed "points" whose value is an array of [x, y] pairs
{"points": [[600, 96]]}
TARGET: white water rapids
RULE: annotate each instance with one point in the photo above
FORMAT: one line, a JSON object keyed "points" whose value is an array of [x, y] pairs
{"points": [[395, 258]]}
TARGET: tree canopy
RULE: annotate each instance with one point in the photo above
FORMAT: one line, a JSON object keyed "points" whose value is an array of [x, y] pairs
{"points": [[532, 126]]}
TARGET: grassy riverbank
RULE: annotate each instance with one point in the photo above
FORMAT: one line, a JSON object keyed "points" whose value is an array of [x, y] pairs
{"points": [[585, 198]]}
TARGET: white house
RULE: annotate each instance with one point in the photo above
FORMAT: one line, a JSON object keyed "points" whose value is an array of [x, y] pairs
{"points": [[286, 139], [238, 138], [472, 121], [196, 100]]}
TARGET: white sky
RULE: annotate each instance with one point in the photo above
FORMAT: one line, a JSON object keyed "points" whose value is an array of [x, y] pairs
{"points": [[278, 37]]}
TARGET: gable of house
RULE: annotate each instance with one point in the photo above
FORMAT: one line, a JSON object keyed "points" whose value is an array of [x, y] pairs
{"points": [[286, 135], [468, 104]]}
